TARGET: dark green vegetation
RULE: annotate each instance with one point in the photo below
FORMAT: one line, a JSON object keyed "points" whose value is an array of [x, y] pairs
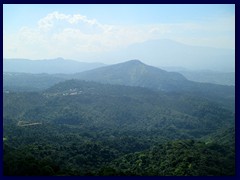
{"points": [[87, 128]]}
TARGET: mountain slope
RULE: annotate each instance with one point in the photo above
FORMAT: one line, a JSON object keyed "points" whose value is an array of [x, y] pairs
{"points": [[134, 73], [177, 158]]}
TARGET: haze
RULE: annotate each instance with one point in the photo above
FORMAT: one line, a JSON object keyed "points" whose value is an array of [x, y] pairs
{"points": [[189, 36]]}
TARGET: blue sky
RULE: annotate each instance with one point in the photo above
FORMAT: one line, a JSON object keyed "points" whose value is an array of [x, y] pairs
{"points": [[32, 30], [28, 15]]}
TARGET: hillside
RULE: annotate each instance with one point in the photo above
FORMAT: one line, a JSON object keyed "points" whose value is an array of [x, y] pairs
{"points": [[134, 73], [177, 158], [113, 106], [130, 73], [88, 128]]}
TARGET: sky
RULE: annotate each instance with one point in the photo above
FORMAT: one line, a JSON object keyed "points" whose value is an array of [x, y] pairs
{"points": [[74, 31]]}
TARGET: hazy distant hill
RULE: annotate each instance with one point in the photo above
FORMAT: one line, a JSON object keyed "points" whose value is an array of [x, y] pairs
{"points": [[210, 77], [206, 76], [50, 66], [165, 52], [162, 52]]}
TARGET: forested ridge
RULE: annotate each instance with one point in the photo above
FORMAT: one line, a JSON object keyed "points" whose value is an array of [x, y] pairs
{"points": [[86, 128]]}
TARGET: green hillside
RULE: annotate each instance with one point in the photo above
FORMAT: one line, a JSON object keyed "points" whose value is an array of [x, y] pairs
{"points": [[87, 128]]}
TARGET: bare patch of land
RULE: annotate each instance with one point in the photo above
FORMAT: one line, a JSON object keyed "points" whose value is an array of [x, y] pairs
{"points": [[25, 123]]}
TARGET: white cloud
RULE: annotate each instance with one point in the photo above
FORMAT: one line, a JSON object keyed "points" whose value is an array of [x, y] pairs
{"points": [[52, 19], [71, 36]]}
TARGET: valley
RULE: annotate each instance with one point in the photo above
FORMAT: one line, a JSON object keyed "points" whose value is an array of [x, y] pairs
{"points": [[120, 90]]}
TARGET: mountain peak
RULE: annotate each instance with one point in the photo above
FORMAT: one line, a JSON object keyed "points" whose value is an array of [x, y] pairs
{"points": [[134, 61], [59, 59], [135, 73]]}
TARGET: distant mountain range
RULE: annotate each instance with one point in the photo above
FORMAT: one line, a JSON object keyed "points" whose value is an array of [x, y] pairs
{"points": [[50, 66], [210, 77], [206, 76], [158, 53], [64, 66], [130, 73], [165, 52]]}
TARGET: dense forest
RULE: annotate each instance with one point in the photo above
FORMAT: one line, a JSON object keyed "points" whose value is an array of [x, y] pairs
{"points": [[86, 128]]}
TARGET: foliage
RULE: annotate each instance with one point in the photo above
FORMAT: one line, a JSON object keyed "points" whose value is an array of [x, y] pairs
{"points": [[86, 128], [178, 158]]}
